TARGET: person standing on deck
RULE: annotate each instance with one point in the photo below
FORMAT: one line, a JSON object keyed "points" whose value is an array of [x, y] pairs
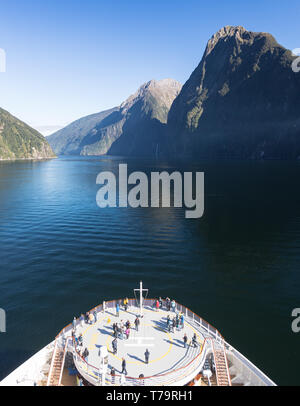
{"points": [[141, 380], [124, 371], [95, 316], [126, 304], [85, 354], [194, 340], [87, 317], [119, 331], [117, 310], [137, 323], [185, 339], [127, 332], [147, 355], [177, 320], [91, 318], [157, 305], [168, 301], [74, 323], [169, 324], [115, 346], [113, 375], [173, 305], [160, 302], [173, 325], [182, 321], [115, 327]]}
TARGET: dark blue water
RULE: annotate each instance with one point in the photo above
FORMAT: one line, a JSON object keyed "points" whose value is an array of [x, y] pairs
{"points": [[238, 266]]}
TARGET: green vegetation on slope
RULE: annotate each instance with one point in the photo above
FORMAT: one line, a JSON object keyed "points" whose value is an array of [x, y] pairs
{"points": [[19, 141]]}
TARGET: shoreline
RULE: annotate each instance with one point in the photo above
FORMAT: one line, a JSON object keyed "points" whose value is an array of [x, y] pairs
{"points": [[27, 159]]}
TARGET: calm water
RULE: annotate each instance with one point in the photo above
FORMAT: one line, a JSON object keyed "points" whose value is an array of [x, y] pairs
{"points": [[238, 266]]}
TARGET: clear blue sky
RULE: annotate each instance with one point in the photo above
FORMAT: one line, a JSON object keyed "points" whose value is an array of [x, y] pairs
{"points": [[70, 58]]}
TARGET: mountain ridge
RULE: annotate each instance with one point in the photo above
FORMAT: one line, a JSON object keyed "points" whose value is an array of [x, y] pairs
{"points": [[20, 141], [240, 101], [145, 113]]}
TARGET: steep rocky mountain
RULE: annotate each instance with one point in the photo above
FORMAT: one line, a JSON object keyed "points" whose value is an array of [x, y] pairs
{"points": [[67, 141], [241, 101], [136, 127], [19, 141]]}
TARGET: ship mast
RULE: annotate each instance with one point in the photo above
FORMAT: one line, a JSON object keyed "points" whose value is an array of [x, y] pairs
{"points": [[141, 298]]}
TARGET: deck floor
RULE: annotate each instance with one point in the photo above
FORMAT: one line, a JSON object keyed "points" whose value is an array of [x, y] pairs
{"points": [[167, 351]]}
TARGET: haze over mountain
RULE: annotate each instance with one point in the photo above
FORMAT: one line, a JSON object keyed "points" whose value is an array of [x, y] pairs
{"points": [[136, 127], [241, 101], [19, 141]]}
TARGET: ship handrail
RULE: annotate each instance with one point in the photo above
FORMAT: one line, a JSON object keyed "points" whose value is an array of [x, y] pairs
{"points": [[148, 301], [203, 346], [261, 375], [223, 349], [211, 331], [63, 362], [191, 316], [52, 362]]}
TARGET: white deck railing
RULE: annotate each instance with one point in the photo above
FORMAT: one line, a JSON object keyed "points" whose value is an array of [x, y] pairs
{"points": [[178, 376]]}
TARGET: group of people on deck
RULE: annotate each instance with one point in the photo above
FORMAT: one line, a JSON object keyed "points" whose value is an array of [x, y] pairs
{"points": [[122, 330], [177, 322]]}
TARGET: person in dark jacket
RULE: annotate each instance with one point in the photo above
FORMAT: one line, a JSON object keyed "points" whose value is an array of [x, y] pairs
{"points": [[160, 303], [85, 354], [168, 323], [137, 323], [141, 380], [173, 325], [185, 339], [115, 346], [113, 375], [124, 371], [147, 355]]}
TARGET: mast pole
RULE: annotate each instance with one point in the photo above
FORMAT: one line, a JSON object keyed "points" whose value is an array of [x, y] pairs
{"points": [[141, 298]]}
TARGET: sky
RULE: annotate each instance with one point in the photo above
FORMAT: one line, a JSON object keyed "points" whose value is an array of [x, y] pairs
{"points": [[69, 58]]}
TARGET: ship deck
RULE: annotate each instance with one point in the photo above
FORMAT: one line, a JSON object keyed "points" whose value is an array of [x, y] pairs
{"points": [[168, 361]]}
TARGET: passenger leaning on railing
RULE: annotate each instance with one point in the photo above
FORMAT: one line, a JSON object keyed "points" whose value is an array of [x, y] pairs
{"points": [[85, 354], [113, 375], [125, 303]]}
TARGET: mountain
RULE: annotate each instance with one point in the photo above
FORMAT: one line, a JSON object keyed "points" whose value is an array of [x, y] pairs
{"points": [[19, 141], [241, 101], [68, 140], [136, 127]]}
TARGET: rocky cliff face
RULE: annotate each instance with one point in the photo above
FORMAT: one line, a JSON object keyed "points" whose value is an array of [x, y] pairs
{"points": [[241, 101], [19, 141], [68, 140], [136, 127]]}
